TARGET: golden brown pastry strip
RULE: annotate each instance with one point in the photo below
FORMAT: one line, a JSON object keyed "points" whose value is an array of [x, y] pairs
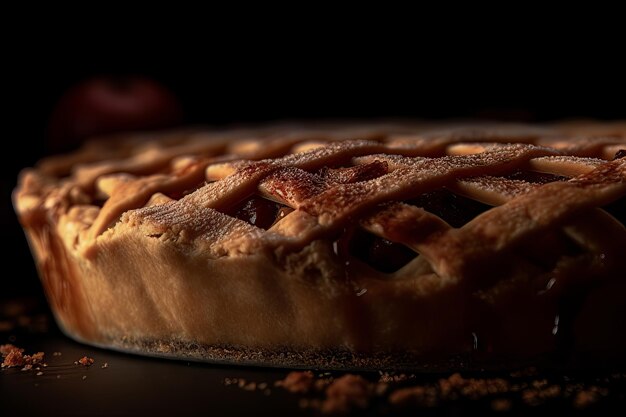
{"points": [[525, 217]]}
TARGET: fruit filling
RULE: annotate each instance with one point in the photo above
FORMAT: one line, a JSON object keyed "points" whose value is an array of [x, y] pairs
{"points": [[381, 254], [535, 177], [456, 210], [260, 212]]}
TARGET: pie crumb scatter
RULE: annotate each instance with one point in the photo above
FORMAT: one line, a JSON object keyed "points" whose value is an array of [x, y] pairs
{"points": [[586, 398], [84, 361], [297, 382], [14, 356], [6, 349], [251, 386], [386, 377], [105, 365], [38, 358], [248, 385], [347, 393], [501, 404], [342, 394]]}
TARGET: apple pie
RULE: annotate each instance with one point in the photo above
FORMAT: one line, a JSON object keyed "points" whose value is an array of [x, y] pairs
{"points": [[339, 245]]}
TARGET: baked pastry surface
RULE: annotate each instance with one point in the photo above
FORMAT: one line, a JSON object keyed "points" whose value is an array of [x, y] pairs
{"points": [[338, 245]]}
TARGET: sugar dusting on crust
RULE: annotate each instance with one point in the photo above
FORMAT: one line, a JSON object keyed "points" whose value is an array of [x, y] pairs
{"points": [[330, 184], [491, 189], [413, 179], [292, 186]]}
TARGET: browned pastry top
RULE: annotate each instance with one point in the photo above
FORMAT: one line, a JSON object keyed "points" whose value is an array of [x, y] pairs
{"points": [[186, 183]]}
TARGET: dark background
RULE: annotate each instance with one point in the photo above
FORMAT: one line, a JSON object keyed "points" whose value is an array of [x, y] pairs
{"points": [[409, 76], [506, 72]]}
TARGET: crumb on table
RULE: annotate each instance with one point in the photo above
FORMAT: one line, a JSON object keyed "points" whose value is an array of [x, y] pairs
{"points": [[297, 382], [14, 356], [85, 361]]}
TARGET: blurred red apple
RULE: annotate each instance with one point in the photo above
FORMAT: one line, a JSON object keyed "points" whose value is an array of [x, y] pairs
{"points": [[110, 104]]}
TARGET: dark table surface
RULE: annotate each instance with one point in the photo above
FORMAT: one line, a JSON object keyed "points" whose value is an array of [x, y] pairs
{"points": [[130, 385], [135, 385]]}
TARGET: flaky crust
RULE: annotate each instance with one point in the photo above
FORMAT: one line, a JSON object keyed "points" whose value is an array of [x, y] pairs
{"points": [[138, 245]]}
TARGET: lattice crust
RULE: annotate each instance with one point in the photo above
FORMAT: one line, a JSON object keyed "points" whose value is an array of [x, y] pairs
{"points": [[182, 187]]}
